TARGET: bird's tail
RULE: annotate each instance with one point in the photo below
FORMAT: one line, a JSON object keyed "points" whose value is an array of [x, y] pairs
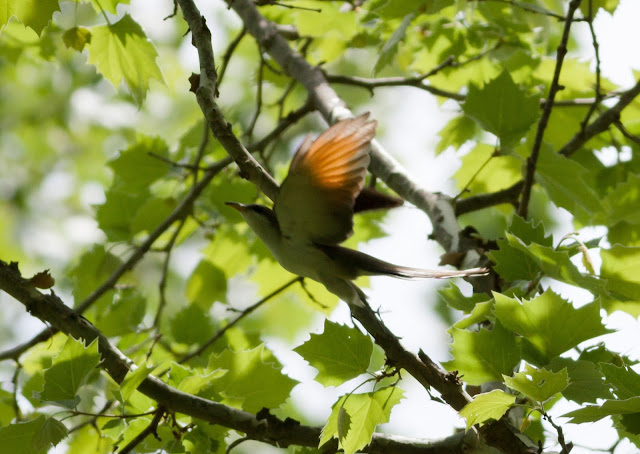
{"points": [[363, 264], [406, 272]]}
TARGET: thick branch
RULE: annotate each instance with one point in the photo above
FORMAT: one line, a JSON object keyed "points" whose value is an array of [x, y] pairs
{"points": [[50, 309], [546, 112]]}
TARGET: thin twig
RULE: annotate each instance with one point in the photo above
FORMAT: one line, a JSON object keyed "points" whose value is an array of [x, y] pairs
{"points": [[602, 123], [228, 53], [104, 415], [536, 10], [150, 429], [254, 119], [162, 285], [596, 50], [92, 420], [14, 393], [293, 117], [546, 112], [175, 164], [477, 172], [235, 443], [566, 447], [625, 132], [178, 213], [481, 201], [236, 320]]}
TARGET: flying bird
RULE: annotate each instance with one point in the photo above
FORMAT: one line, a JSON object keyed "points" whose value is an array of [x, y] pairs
{"points": [[313, 214]]}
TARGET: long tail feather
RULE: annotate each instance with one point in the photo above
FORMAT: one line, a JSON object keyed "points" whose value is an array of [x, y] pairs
{"points": [[360, 263]]}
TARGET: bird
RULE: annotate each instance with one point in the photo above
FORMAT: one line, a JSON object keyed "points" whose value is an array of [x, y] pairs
{"points": [[313, 214]]}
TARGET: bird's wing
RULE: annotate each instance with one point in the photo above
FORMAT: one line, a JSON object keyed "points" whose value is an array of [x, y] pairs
{"points": [[316, 199]]}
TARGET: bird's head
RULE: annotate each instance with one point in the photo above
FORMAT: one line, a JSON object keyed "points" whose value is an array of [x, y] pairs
{"points": [[260, 218]]}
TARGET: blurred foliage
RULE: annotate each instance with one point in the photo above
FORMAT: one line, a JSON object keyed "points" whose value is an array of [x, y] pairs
{"points": [[101, 141]]}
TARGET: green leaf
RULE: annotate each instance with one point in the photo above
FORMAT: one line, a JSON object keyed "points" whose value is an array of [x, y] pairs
{"points": [[207, 284], [33, 437], [486, 406], [77, 38], [108, 5], [340, 353], [481, 313], [390, 47], [548, 324], [135, 168], [32, 13], [592, 413], [332, 18], [518, 260], [69, 371], [190, 381], [250, 380], [133, 379], [91, 270], [623, 202], [191, 326], [7, 412], [129, 195], [564, 180], [621, 269], [151, 214], [624, 380], [363, 412], [502, 108], [484, 171], [396, 10], [456, 133], [454, 298], [483, 356], [528, 232], [608, 5], [121, 51], [123, 315], [538, 385], [586, 382]]}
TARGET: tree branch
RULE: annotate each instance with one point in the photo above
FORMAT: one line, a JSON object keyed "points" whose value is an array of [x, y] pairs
{"points": [[602, 123], [546, 113], [50, 309], [437, 207], [179, 212], [480, 201]]}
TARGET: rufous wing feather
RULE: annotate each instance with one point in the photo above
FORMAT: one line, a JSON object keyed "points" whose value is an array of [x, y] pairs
{"points": [[316, 199]]}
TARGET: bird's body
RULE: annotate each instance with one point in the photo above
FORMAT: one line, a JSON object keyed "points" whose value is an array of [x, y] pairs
{"points": [[313, 213]]}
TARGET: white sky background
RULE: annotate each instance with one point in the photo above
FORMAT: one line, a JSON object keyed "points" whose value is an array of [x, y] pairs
{"points": [[410, 134]]}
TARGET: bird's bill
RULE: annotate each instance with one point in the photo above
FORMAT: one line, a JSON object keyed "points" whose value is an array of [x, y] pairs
{"points": [[238, 206]]}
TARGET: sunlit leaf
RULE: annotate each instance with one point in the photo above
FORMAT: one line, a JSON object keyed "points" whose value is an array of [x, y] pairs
{"points": [[69, 371], [253, 382], [487, 406], [548, 324], [483, 356], [121, 51], [33, 13], [339, 353], [538, 384], [502, 108], [365, 412], [33, 437]]}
